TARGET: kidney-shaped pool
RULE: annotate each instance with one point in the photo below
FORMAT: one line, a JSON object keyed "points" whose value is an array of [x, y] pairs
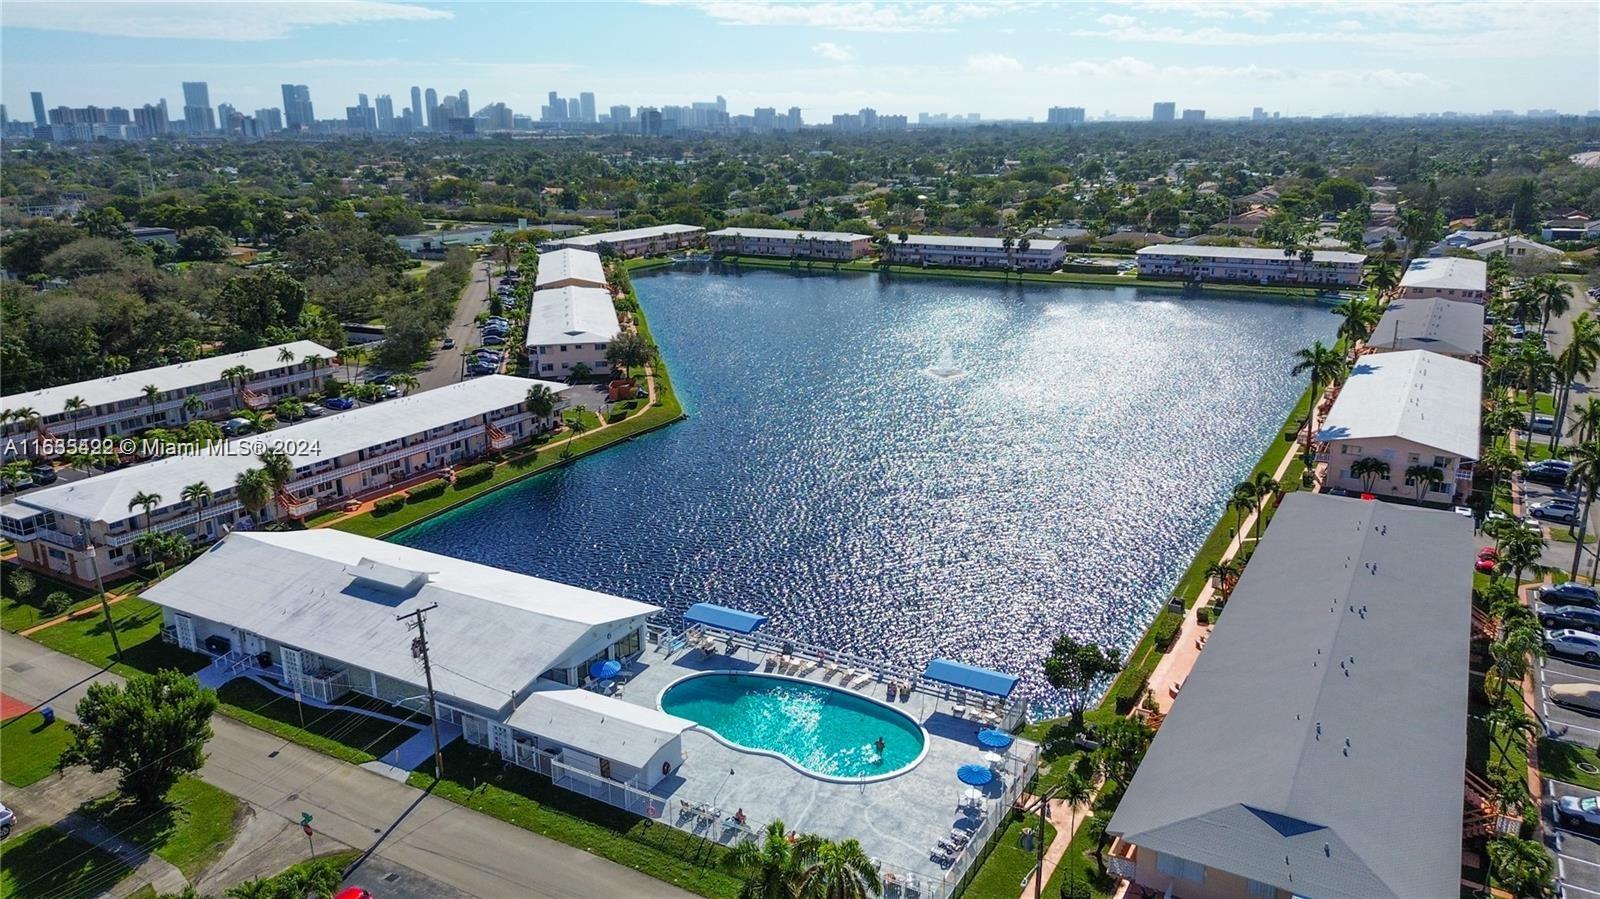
{"points": [[826, 731]]}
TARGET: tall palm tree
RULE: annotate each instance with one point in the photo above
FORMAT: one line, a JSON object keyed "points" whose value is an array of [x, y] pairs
{"points": [[1360, 315], [1508, 721], [285, 354], [1552, 296], [193, 405], [1369, 469], [1510, 655], [1323, 364], [1075, 790], [1522, 866], [540, 402], [1225, 575], [1585, 424], [253, 487], [404, 382], [146, 500], [1424, 478], [1265, 485], [1383, 275], [152, 395], [773, 868], [1519, 550], [1576, 360], [237, 377], [314, 361], [841, 871], [1585, 476], [278, 466], [578, 427], [197, 495], [27, 416], [1243, 501], [352, 356], [75, 406]]}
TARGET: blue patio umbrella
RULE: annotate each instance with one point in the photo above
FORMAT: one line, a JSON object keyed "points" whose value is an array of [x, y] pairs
{"points": [[974, 775], [604, 669], [994, 739]]}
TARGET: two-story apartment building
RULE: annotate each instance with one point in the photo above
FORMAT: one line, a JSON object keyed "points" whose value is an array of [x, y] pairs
{"points": [[1404, 409], [569, 268], [1332, 695], [652, 241], [55, 529], [1446, 277], [1026, 254], [313, 612], [570, 326], [840, 246], [1438, 325], [1254, 265], [121, 404]]}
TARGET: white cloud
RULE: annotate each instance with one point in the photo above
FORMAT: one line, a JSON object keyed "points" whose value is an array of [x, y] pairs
{"points": [[222, 21], [835, 52], [1112, 20], [993, 63], [1124, 69], [848, 16]]}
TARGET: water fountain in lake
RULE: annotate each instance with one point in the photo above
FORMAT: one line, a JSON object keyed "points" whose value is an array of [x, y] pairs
{"points": [[946, 368]]}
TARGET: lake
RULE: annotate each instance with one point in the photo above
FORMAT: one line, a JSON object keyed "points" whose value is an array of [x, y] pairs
{"points": [[1059, 484]]}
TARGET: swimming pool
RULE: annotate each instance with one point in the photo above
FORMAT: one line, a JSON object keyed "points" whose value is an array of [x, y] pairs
{"points": [[822, 730]]}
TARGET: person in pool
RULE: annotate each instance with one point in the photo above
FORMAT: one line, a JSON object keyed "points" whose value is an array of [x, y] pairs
{"points": [[879, 745]]}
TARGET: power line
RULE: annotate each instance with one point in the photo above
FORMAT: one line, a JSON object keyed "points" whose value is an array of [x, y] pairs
{"points": [[419, 649]]}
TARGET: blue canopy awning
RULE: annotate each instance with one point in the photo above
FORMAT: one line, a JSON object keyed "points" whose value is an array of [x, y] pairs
{"points": [[725, 618], [970, 677]]}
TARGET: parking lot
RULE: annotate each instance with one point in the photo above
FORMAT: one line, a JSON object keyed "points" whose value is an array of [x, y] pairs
{"points": [[1564, 723], [1577, 849]]}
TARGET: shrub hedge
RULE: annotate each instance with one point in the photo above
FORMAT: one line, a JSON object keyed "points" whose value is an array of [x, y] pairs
{"points": [[429, 490], [473, 474], [389, 504]]}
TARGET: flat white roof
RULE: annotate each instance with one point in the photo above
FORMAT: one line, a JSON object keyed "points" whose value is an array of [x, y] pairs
{"points": [[494, 631], [596, 724], [1447, 273], [1490, 247], [589, 240], [1415, 395], [785, 234], [105, 497], [572, 315], [1434, 323], [567, 264], [982, 243], [1205, 252], [181, 376]]}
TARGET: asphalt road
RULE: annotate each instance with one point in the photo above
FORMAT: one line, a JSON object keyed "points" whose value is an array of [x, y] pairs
{"points": [[471, 852], [1559, 332], [445, 366]]}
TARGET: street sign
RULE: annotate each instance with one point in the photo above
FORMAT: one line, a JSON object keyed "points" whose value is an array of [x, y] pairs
{"points": [[306, 828], [305, 819]]}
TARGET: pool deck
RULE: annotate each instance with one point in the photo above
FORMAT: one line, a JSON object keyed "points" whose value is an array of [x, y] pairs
{"points": [[898, 820]]}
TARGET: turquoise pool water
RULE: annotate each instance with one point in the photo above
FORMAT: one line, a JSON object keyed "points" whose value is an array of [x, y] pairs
{"points": [[823, 730]]}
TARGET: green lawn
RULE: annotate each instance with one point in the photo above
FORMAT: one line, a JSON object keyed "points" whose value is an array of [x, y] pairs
{"points": [[29, 748], [138, 625], [349, 736], [1561, 534], [1560, 759], [480, 780], [47, 862], [1079, 862], [19, 613], [190, 833], [589, 419], [1000, 876]]}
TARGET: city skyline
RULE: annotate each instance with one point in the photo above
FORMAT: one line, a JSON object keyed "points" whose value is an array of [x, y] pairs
{"points": [[900, 59]]}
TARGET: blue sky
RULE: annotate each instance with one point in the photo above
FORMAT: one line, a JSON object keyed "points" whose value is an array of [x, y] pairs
{"points": [[1003, 59]]}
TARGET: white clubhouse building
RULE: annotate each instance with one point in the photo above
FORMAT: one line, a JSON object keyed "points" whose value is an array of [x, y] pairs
{"points": [[335, 459], [569, 268], [1447, 278], [1039, 255], [120, 404], [652, 241], [835, 245], [509, 652], [1253, 265], [1405, 408], [570, 326]]}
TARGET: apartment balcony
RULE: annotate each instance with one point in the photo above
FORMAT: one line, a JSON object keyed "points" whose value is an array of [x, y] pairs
{"points": [[295, 507], [255, 400], [215, 510], [498, 439]]}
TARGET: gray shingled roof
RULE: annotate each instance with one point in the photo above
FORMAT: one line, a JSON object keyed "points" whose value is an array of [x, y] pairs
{"points": [[1320, 741], [1436, 324]]}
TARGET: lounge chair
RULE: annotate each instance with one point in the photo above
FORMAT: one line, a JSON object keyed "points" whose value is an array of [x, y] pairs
{"points": [[960, 711], [771, 662], [807, 666]]}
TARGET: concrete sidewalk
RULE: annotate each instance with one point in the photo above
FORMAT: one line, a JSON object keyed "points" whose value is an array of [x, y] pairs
{"points": [[477, 854]]}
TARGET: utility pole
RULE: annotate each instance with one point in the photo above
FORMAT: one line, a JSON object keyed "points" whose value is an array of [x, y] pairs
{"points": [[419, 650], [94, 565]]}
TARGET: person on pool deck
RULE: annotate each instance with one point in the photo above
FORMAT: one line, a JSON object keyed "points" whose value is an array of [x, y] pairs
{"points": [[738, 817], [879, 745]]}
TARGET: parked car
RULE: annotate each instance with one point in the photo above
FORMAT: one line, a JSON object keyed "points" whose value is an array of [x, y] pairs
{"points": [[1563, 511], [233, 427], [1548, 471], [353, 893], [43, 474], [312, 410], [494, 339], [1583, 697], [1487, 559], [1531, 524], [1573, 811], [382, 378], [7, 819], [1569, 594], [449, 343], [1543, 424], [340, 403], [390, 391], [1569, 642], [1583, 618]]}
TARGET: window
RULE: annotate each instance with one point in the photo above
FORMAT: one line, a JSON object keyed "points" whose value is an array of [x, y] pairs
{"points": [[57, 554], [1180, 867], [1441, 462]]}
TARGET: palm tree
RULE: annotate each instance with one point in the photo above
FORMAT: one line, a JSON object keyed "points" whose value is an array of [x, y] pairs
{"points": [[404, 382], [1511, 653], [1225, 575], [1074, 790], [1383, 275], [152, 395], [1585, 421], [841, 871], [253, 488], [1522, 866], [1242, 502], [278, 467], [1552, 296], [237, 377], [576, 423], [1265, 485], [540, 402], [1507, 721], [193, 405], [1577, 359], [1585, 476], [1519, 550], [1360, 316], [314, 361], [1369, 469], [352, 356], [773, 868], [197, 495], [1323, 365], [1424, 478], [13, 473], [74, 406], [148, 501], [285, 354]]}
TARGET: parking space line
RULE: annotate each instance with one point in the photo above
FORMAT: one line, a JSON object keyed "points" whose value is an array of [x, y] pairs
{"points": [[1581, 861], [1585, 675], [1572, 886]]}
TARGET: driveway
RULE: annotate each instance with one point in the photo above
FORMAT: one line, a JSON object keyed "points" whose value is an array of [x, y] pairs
{"points": [[473, 853], [445, 367]]}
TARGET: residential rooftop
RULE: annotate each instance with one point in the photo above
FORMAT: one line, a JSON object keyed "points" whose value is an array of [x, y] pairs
{"points": [[1437, 324], [589, 240], [1446, 273], [1332, 697], [337, 594], [179, 376], [572, 315], [106, 497], [978, 243], [1336, 257], [786, 234], [598, 724], [1423, 397], [568, 264]]}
